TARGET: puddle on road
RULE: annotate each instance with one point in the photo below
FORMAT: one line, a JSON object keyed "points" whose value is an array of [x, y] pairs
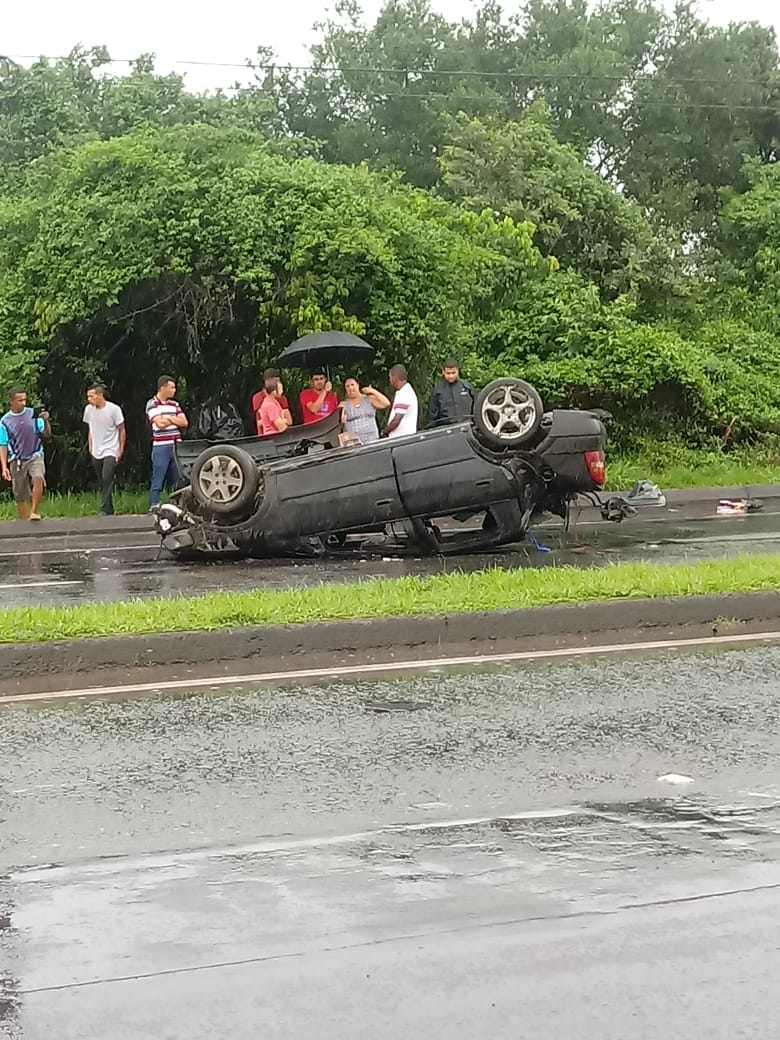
{"points": [[598, 837], [598, 858], [71, 576]]}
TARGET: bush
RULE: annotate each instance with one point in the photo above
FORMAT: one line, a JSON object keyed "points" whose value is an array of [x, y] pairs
{"points": [[719, 387]]}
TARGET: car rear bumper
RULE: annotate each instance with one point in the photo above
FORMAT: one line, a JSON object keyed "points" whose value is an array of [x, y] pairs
{"points": [[569, 436]]}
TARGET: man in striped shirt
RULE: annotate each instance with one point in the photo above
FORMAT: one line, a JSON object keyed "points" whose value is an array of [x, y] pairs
{"points": [[167, 420]]}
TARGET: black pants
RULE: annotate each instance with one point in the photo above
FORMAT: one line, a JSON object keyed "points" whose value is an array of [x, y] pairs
{"points": [[105, 469]]}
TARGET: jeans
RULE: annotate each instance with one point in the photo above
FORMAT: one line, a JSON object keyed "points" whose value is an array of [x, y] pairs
{"points": [[164, 471], [104, 470]]}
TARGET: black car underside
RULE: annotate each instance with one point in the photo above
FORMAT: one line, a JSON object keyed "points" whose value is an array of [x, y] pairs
{"points": [[188, 531], [470, 487]]}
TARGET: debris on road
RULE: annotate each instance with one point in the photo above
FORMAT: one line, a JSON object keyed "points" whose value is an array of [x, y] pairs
{"points": [[737, 506], [646, 493]]}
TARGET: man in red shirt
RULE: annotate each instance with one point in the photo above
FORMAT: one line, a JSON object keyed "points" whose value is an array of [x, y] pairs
{"points": [[318, 401], [257, 399], [273, 417]]}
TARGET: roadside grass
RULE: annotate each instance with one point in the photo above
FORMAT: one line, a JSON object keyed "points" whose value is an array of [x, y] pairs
{"points": [[685, 468], [490, 590], [76, 505]]}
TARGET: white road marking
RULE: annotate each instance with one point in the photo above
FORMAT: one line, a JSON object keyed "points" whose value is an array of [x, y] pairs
{"points": [[71, 551], [429, 664], [277, 845], [54, 583], [675, 778]]}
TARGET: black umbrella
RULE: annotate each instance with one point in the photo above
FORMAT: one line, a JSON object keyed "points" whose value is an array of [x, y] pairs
{"points": [[323, 349]]}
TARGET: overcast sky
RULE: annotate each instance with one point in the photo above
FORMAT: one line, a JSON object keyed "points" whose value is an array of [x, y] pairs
{"points": [[223, 31]]}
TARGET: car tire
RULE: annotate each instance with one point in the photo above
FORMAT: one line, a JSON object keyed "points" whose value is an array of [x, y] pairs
{"points": [[508, 413], [224, 480]]}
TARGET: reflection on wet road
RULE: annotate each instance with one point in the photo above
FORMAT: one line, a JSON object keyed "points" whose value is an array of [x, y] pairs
{"points": [[129, 567], [497, 854]]}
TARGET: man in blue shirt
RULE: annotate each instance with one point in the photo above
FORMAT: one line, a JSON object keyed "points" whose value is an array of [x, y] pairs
{"points": [[21, 453]]}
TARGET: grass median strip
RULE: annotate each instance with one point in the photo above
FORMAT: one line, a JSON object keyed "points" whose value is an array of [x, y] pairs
{"points": [[394, 597]]}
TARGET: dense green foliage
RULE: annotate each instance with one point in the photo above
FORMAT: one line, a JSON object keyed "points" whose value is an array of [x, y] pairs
{"points": [[589, 197], [198, 251]]}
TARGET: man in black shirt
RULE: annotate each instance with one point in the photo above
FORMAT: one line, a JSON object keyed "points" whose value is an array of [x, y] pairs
{"points": [[452, 399]]}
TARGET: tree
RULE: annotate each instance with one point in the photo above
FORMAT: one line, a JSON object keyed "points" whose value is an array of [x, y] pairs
{"points": [[584, 62], [521, 170], [201, 251], [664, 106], [376, 93], [67, 102], [713, 99], [749, 241]]}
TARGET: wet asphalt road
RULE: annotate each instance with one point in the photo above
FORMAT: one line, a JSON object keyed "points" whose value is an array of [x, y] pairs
{"points": [[489, 854], [128, 566]]}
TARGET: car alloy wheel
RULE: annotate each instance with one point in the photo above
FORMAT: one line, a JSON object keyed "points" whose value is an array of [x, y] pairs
{"points": [[509, 412], [225, 480], [221, 479]]}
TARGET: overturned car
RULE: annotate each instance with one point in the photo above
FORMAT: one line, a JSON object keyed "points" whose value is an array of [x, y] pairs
{"points": [[474, 485]]}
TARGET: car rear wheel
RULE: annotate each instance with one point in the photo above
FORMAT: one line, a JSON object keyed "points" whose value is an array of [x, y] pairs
{"points": [[224, 480], [508, 413]]}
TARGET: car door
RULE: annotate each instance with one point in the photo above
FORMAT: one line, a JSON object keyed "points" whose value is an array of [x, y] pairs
{"points": [[342, 489], [440, 472]]}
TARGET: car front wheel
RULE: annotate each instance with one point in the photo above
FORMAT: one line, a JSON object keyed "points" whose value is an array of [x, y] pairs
{"points": [[224, 480], [508, 413]]}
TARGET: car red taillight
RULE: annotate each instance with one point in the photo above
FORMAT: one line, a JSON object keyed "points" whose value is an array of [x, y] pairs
{"points": [[594, 460]]}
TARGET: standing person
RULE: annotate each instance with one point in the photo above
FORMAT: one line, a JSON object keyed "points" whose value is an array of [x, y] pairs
{"points": [[106, 441], [21, 453], [167, 420], [257, 399], [273, 417], [359, 408], [403, 415], [452, 399], [318, 401]]}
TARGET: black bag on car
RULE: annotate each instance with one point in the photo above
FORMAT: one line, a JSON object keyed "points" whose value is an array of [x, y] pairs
{"points": [[220, 421]]}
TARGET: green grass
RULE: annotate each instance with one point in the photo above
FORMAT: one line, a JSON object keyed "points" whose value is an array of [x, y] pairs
{"points": [[73, 506], [685, 468], [399, 597]]}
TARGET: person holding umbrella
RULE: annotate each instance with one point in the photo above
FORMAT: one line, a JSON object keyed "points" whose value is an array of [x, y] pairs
{"points": [[315, 353], [318, 401]]}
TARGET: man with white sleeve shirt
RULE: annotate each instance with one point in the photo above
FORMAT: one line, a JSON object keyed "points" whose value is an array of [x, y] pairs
{"points": [[106, 441], [403, 414]]}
